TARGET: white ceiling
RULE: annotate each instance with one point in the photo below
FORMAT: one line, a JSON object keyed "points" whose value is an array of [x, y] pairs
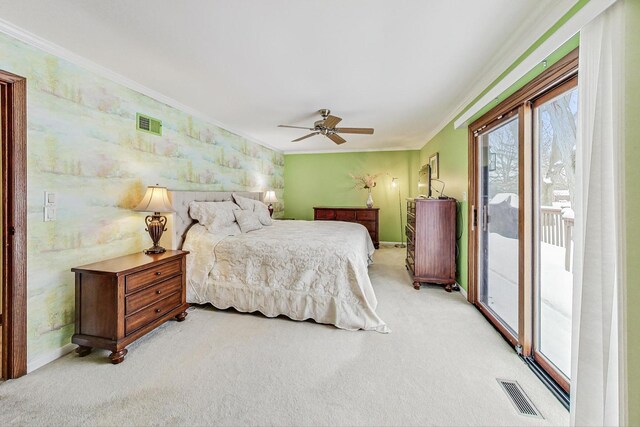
{"points": [[403, 67]]}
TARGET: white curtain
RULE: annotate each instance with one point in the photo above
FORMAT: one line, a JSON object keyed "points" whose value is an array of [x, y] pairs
{"points": [[597, 385]]}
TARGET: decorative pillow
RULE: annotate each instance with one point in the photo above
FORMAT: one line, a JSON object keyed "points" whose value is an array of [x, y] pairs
{"points": [[255, 206], [217, 217], [248, 221]]}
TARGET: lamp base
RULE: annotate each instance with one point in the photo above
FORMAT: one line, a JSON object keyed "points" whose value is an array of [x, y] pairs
{"points": [[270, 207], [155, 250], [155, 227]]}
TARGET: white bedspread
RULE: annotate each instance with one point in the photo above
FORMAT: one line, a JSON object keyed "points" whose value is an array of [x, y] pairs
{"points": [[302, 269]]}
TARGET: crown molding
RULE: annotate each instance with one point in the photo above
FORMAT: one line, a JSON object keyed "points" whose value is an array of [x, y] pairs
{"points": [[505, 57], [573, 26], [61, 52], [362, 150]]}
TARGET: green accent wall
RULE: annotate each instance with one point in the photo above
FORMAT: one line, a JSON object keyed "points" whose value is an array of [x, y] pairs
{"points": [[323, 180], [452, 148], [632, 205], [82, 143]]}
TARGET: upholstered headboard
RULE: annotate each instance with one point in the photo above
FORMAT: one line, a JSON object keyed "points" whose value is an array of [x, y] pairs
{"points": [[180, 221]]}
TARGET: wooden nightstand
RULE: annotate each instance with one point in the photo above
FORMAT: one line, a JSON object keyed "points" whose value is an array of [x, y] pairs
{"points": [[121, 299]]}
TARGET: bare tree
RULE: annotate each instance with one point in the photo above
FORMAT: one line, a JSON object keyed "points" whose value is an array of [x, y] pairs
{"points": [[557, 124], [503, 159], [557, 142]]}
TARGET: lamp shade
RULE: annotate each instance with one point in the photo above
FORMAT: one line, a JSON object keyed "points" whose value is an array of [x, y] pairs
{"points": [[270, 197], [156, 199]]}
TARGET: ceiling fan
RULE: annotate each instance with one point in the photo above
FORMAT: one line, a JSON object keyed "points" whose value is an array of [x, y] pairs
{"points": [[327, 127]]}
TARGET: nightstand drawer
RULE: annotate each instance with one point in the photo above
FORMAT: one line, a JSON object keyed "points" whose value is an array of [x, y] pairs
{"points": [[151, 295], [149, 314], [147, 277]]}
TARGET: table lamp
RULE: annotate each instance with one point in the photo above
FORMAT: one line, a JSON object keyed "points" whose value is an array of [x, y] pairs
{"points": [[155, 200], [270, 197]]}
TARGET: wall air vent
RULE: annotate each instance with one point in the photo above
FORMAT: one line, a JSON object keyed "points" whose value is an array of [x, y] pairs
{"points": [[148, 124]]}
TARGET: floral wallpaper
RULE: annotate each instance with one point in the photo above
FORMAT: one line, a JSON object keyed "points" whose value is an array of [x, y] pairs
{"points": [[83, 145]]}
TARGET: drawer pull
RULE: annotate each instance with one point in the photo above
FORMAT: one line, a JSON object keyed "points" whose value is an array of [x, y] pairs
{"points": [[158, 310], [158, 273], [158, 291]]}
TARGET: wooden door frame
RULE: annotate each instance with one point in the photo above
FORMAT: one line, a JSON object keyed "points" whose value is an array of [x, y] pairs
{"points": [[14, 226]]}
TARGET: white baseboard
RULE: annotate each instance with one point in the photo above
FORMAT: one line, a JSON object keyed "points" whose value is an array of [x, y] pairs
{"points": [[463, 291], [50, 357], [392, 243]]}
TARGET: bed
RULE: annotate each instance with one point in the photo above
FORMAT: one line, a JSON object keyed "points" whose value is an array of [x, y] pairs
{"points": [[301, 269]]}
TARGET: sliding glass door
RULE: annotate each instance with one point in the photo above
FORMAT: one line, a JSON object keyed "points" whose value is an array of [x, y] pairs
{"points": [[555, 115], [498, 223], [521, 185]]}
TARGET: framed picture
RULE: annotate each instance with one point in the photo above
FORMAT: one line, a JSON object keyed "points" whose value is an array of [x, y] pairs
{"points": [[434, 162]]}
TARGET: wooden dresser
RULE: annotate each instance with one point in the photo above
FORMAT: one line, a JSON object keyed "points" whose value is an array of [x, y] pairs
{"points": [[365, 216], [121, 299], [431, 241]]}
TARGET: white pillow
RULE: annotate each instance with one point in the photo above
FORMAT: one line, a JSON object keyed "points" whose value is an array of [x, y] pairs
{"points": [[217, 217], [248, 221], [255, 206]]}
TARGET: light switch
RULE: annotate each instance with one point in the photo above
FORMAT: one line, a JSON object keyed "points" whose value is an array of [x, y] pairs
{"points": [[49, 198], [49, 213]]}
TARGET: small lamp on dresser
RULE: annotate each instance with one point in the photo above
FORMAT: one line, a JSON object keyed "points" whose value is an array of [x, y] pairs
{"points": [[155, 200], [270, 197]]}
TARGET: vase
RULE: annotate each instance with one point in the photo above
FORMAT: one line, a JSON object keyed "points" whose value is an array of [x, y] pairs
{"points": [[370, 200]]}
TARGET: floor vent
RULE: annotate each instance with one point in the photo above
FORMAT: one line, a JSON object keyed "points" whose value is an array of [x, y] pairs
{"points": [[519, 399]]}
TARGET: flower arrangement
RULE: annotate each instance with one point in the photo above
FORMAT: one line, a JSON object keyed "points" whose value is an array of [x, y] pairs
{"points": [[364, 182]]}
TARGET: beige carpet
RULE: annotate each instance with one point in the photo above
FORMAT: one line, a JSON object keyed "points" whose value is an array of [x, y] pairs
{"points": [[438, 367]]}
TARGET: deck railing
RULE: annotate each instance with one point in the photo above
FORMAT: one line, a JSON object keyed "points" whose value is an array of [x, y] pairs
{"points": [[556, 228]]}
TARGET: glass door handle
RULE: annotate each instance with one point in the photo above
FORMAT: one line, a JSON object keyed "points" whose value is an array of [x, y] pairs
{"points": [[485, 217], [474, 217]]}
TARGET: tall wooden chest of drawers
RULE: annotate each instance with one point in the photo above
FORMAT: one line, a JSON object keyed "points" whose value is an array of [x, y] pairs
{"points": [[121, 299], [365, 216], [431, 241]]}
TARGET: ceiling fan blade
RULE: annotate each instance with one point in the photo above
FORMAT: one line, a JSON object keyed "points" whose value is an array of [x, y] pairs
{"points": [[331, 121], [363, 131], [336, 138], [305, 137], [294, 127]]}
